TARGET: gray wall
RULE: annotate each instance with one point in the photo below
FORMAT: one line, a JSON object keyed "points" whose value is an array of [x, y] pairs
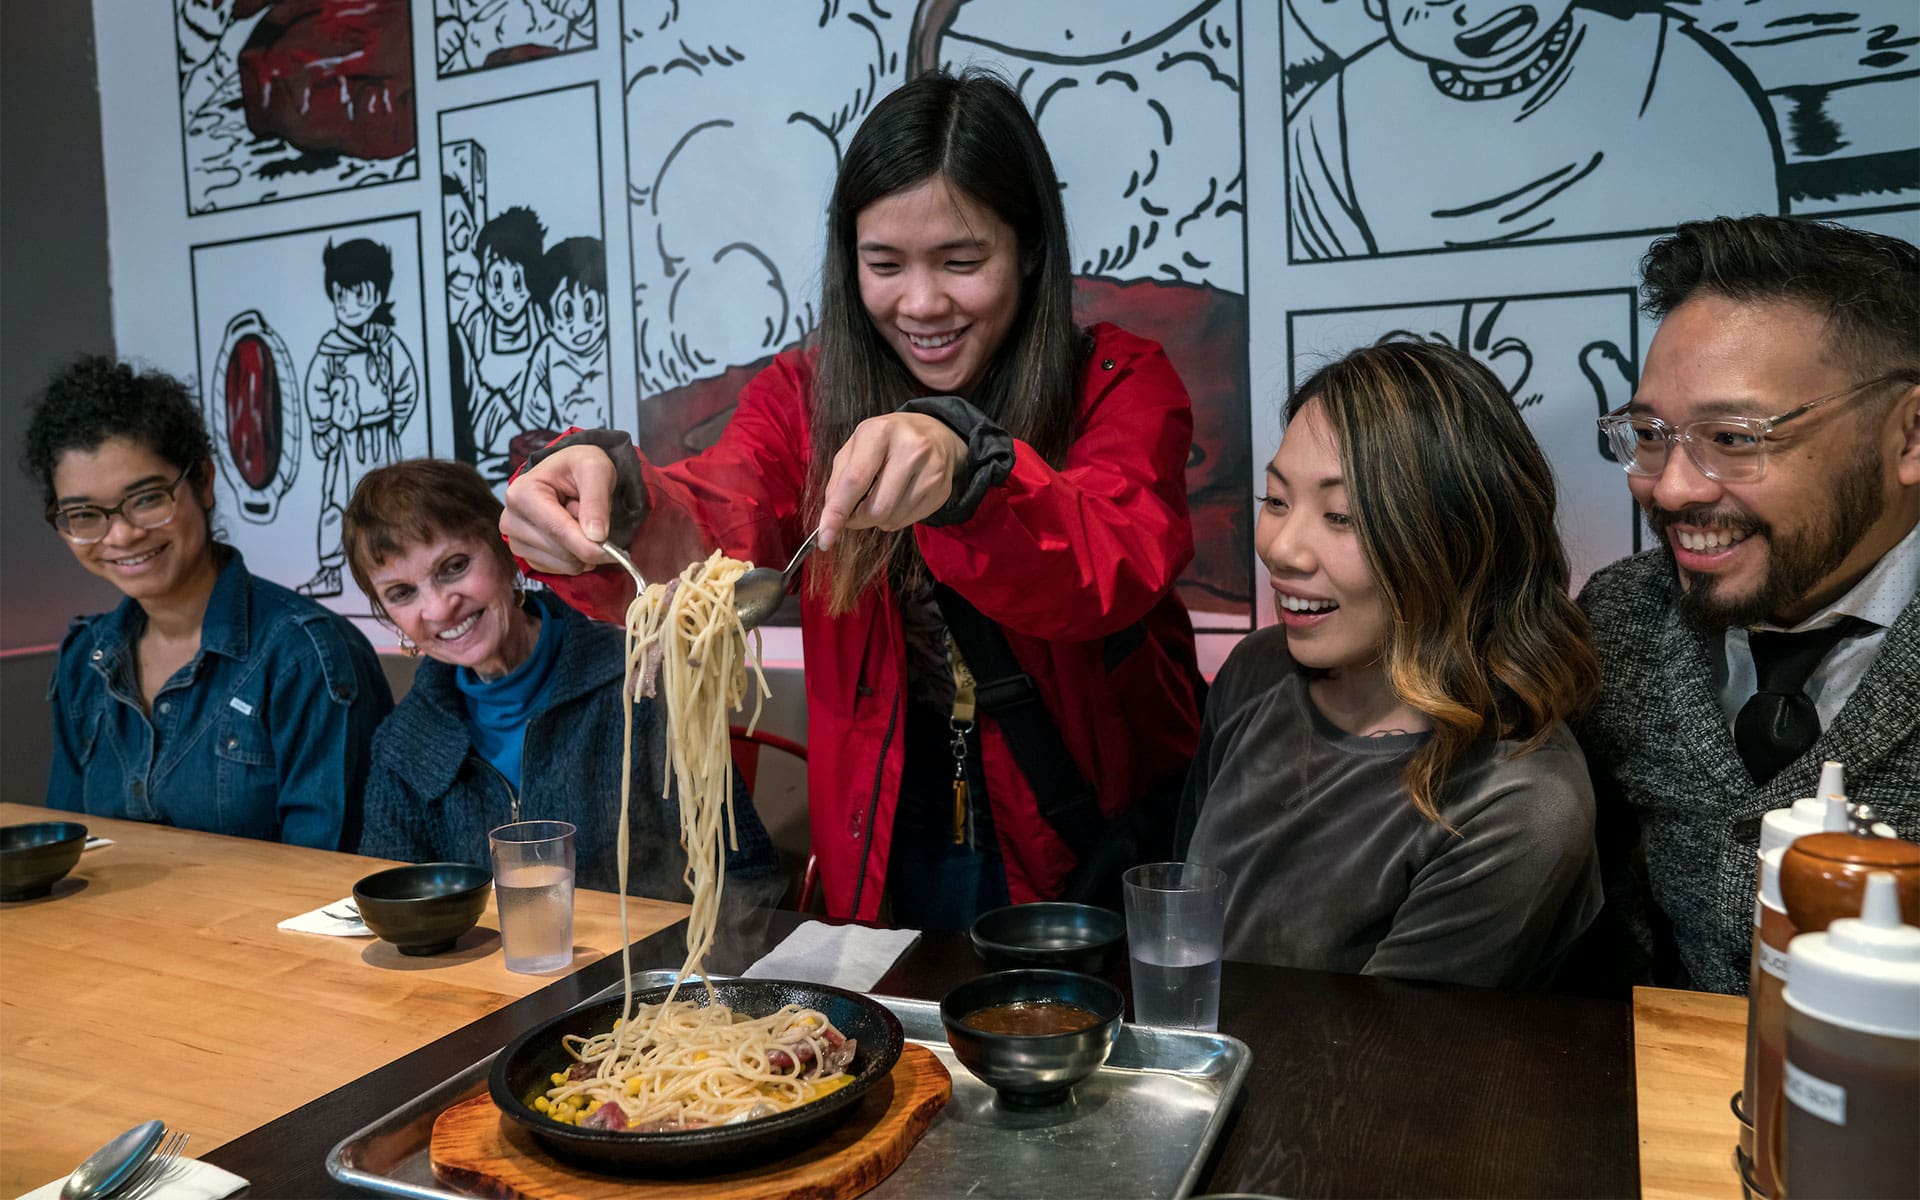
{"points": [[53, 304]]}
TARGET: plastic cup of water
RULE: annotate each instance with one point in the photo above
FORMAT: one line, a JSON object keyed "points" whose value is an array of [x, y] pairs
{"points": [[1176, 915], [533, 885]]}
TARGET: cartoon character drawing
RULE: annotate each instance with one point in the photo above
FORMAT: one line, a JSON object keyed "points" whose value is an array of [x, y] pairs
{"points": [[471, 35], [566, 380], [500, 334], [361, 390], [1484, 122]]}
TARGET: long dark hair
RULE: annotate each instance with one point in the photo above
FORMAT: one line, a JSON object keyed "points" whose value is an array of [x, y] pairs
{"points": [[1453, 504], [972, 131]]}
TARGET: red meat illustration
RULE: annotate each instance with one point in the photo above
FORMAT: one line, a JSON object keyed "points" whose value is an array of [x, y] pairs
{"points": [[330, 75]]}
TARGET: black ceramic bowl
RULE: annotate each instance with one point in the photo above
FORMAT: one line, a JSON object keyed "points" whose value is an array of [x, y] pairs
{"points": [[35, 857], [424, 908], [1065, 937], [1032, 1070], [522, 1071]]}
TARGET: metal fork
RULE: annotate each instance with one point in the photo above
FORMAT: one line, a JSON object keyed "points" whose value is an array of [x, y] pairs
{"points": [[352, 912], [164, 1164]]}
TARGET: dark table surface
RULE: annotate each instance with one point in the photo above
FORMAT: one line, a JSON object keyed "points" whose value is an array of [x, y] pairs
{"points": [[1359, 1086]]}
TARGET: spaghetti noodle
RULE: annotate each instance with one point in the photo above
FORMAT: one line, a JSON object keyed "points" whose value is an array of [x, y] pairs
{"points": [[679, 1064]]}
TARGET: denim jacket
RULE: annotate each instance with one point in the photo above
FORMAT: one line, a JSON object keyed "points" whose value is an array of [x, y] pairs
{"points": [[431, 797], [264, 734]]}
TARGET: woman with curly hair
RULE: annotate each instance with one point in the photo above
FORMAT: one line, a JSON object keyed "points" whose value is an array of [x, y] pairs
{"points": [[210, 698], [1387, 775]]}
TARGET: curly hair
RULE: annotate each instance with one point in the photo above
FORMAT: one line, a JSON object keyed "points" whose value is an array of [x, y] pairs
{"points": [[96, 398]]}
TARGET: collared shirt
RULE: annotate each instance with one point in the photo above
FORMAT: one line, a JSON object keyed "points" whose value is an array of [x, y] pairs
{"points": [[264, 734], [1877, 599]]}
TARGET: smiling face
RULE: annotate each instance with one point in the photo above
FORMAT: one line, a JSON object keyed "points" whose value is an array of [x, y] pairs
{"points": [[1478, 35], [579, 318], [506, 288], [150, 565], [1783, 546], [940, 277], [1324, 592], [452, 598], [353, 306]]}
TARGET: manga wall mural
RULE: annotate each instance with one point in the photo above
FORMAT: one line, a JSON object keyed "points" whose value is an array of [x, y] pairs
{"points": [[1139, 103], [623, 214], [287, 98], [1415, 125], [526, 274], [303, 399]]}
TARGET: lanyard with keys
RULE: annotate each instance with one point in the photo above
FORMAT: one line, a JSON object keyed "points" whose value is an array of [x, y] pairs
{"points": [[960, 722]]}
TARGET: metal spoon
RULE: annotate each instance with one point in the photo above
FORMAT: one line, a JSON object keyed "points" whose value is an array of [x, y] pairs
{"points": [[110, 1167], [757, 593]]}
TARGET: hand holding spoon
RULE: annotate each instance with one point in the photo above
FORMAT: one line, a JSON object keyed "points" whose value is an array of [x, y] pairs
{"points": [[757, 593]]}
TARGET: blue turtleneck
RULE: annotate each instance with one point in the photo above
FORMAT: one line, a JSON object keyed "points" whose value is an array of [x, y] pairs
{"points": [[498, 710]]}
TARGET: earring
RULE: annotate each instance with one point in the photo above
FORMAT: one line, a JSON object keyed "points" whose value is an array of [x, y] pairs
{"points": [[408, 648]]}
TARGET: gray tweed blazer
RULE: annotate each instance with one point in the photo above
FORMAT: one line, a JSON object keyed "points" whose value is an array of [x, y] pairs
{"points": [[1660, 753]]}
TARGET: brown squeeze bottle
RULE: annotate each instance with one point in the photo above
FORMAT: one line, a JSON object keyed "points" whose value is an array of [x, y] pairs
{"points": [[1853, 1055], [1767, 968]]}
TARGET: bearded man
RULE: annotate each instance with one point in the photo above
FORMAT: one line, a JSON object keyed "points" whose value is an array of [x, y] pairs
{"points": [[1773, 445]]}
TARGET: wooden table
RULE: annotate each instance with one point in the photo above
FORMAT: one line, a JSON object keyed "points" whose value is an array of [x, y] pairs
{"points": [[1359, 1086], [153, 983], [1689, 1051]]}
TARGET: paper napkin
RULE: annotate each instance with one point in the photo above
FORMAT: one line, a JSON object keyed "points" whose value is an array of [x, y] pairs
{"points": [[319, 921], [187, 1179], [844, 956]]}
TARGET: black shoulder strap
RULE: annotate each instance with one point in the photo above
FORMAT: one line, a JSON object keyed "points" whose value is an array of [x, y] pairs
{"points": [[1066, 800]]}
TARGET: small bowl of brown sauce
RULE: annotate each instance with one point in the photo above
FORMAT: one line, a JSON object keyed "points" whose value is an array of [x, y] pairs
{"points": [[1031, 1035]]}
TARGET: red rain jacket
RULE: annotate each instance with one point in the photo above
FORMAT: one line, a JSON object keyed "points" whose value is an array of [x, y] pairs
{"points": [[1061, 560]]}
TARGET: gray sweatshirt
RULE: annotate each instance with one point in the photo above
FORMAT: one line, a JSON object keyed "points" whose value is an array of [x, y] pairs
{"points": [[1331, 867]]}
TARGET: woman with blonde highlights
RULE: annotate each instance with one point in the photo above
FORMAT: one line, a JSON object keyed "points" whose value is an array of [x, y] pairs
{"points": [[1387, 775]]}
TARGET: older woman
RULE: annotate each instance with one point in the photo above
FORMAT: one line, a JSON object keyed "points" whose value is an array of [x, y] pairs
{"points": [[210, 698], [514, 711]]}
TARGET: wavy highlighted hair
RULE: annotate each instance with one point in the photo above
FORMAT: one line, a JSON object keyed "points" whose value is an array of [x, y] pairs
{"points": [[1453, 504]]}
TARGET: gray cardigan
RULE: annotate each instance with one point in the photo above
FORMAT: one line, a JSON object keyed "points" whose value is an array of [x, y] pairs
{"points": [[431, 797], [1663, 759]]}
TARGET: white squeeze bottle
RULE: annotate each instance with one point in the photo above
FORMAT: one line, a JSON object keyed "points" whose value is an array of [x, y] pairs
{"points": [[1853, 1055], [1767, 969]]}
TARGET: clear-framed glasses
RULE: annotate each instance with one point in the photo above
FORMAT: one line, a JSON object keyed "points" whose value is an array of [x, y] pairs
{"points": [[148, 508], [1727, 449]]}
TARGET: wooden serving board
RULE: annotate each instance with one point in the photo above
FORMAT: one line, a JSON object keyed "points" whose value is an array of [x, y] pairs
{"points": [[479, 1151]]}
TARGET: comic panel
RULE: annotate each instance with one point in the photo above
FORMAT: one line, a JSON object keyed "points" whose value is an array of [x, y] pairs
{"points": [[1423, 125], [1139, 103], [312, 373], [286, 98], [525, 272], [727, 190], [1566, 360], [480, 35]]}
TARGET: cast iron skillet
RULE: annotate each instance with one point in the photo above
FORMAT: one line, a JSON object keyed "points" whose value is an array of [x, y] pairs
{"points": [[524, 1067]]}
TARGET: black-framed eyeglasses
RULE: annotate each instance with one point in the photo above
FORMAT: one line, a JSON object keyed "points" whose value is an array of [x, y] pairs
{"points": [[1726, 449], [148, 508]]}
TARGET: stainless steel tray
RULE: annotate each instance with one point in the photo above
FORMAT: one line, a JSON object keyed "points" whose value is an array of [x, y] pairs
{"points": [[1140, 1126]]}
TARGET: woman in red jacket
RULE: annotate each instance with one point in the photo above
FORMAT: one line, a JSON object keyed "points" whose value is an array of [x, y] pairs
{"points": [[966, 452]]}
